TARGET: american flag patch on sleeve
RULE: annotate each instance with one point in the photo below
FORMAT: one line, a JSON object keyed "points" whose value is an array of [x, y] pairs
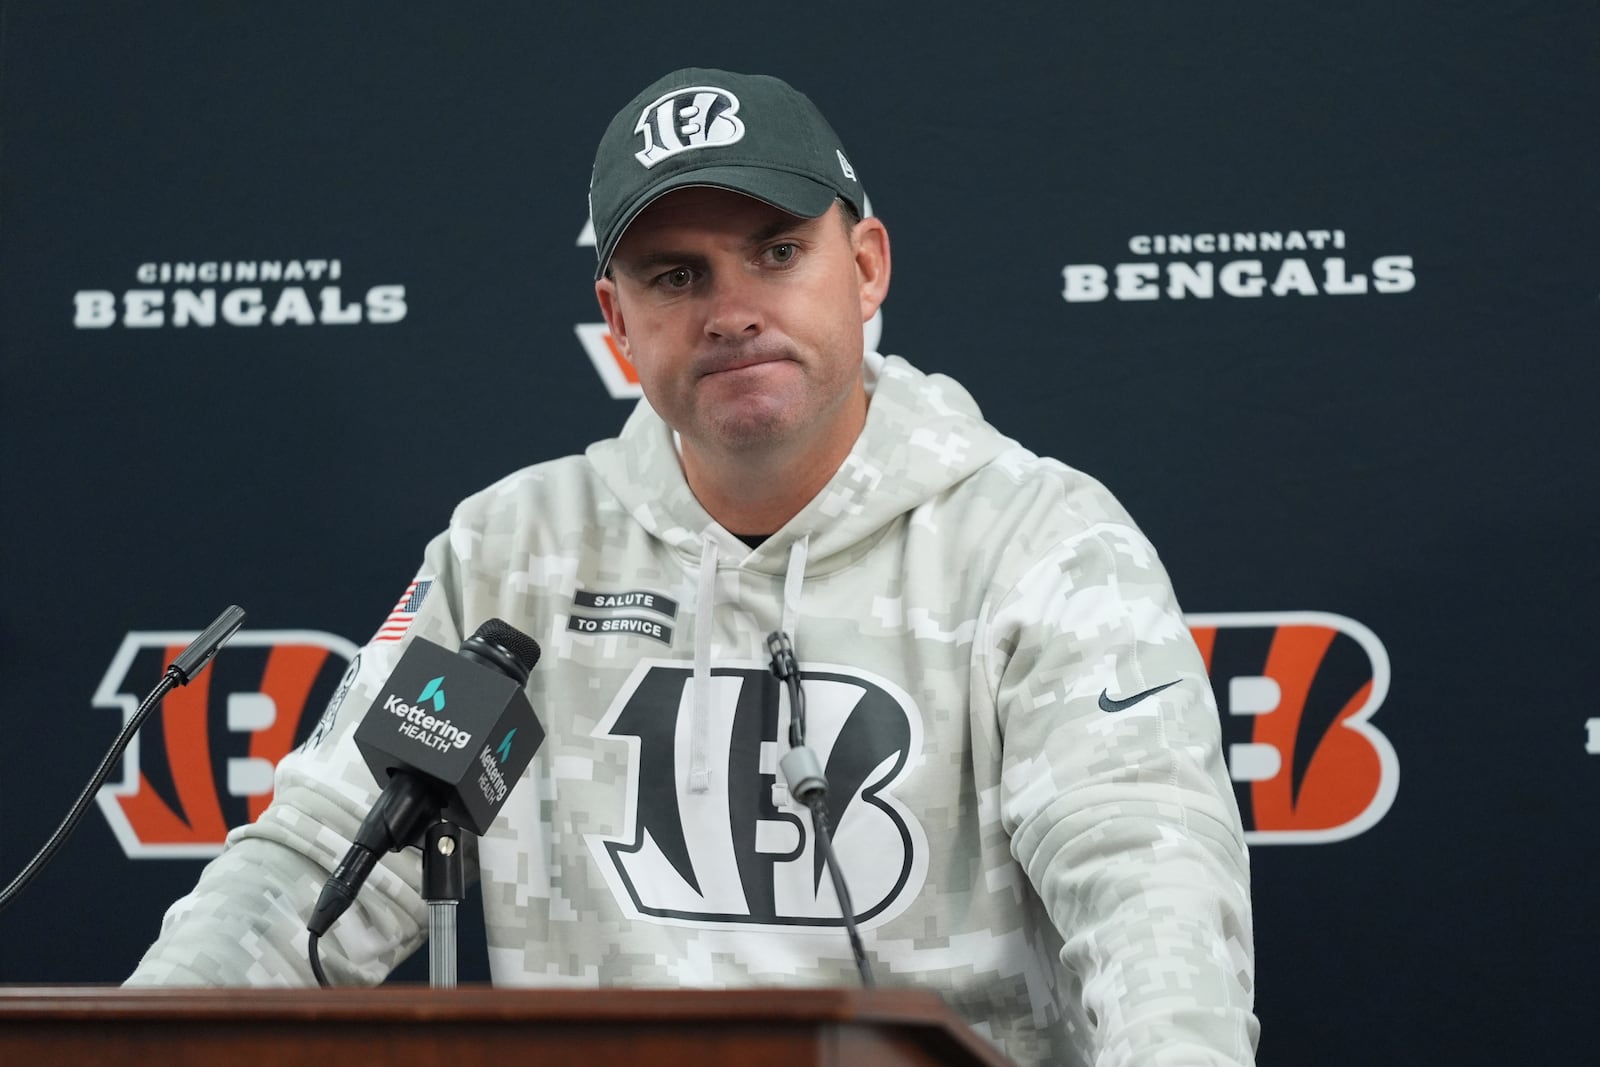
{"points": [[399, 620]]}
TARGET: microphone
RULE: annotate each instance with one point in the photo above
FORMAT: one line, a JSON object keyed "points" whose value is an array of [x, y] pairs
{"points": [[448, 736], [181, 671], [193, 659], [809, 785]]}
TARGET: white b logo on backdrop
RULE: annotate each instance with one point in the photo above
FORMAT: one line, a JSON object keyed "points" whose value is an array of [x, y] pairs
{"points": [[204, 762]]}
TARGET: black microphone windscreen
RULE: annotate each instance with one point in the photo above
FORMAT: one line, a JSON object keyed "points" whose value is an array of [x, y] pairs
{"points": [[522, 647]]}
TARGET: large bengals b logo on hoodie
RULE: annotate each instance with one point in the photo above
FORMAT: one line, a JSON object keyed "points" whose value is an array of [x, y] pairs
{"points": [[737, 851], [1296, 692]]}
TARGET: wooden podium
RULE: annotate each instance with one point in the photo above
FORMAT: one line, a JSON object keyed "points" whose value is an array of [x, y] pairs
{"points": [[400, 1026]]}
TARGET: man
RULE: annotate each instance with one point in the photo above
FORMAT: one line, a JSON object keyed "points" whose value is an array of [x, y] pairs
{"points": [[1030, 806]]}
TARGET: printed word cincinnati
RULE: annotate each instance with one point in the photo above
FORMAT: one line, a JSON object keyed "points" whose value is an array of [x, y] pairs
{"points": [[247, 303], [1204, 279], [418, 725]]}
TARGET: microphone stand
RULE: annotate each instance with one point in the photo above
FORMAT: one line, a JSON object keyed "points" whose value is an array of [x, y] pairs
{"points": [[443, 877], [443, 887]]}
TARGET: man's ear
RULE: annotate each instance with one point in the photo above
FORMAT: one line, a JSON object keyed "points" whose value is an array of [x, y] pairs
{"points": [[605, 291], [870, 240]]}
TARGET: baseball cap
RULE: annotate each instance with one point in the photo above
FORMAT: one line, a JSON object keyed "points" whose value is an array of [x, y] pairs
{"points": [[751, 133]]}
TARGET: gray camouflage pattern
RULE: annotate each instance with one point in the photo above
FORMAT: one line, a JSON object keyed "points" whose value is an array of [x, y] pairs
{"points": [[1078, 886]]}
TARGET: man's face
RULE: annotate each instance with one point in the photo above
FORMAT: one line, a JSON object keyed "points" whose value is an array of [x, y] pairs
{"points": [[743, 322]]}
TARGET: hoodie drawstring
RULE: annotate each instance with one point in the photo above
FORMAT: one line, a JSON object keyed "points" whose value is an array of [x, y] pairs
{"points": [[700, 725], [791, 586], [705, 613]]}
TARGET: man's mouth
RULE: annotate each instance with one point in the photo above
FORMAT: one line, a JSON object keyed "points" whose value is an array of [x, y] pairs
{"points": [[744, 362]]}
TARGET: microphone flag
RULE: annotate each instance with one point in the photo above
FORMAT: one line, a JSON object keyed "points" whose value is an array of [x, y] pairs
{"points": [[465, 728]]}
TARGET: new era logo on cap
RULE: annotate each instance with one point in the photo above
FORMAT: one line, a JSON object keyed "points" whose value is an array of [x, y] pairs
{"points": [[696, 117]]}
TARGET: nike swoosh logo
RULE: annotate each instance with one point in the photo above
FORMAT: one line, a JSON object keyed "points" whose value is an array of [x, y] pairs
{"points": [[1107, 704]]}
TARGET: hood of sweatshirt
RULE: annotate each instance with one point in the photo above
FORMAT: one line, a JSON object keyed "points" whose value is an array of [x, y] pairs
{"points": [[923, 434]]}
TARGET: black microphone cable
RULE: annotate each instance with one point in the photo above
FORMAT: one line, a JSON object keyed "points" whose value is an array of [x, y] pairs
{"points": [[803, 771], [190, 662], [392, 824]]}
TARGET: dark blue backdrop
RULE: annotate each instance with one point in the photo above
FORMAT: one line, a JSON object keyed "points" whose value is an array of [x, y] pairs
{"points": [[1420, 461]]}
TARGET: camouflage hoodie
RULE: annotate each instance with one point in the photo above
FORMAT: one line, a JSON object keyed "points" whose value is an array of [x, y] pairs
{"points": [[1022, 749]]}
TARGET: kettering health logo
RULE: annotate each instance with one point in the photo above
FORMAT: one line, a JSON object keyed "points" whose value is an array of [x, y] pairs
{"points": [[417, 724], [504, 747], [1238, 263], [238, 292]]}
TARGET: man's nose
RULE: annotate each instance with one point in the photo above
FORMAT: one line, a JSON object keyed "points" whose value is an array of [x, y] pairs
{"points": [[734, 310]]}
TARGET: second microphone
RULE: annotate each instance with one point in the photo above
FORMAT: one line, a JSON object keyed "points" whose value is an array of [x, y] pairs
{"points": [[448, 735]]}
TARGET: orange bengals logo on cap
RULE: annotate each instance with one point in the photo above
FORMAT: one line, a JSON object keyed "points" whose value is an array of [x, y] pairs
{"points": [[1296, 692], [203, 762]]}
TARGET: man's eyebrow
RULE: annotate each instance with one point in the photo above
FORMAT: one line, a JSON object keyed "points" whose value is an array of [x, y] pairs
{"points": [[778, 227], [647, 262]]}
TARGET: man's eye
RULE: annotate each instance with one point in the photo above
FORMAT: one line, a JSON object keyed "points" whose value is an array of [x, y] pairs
{"points": [[782, 253], [679, 278]]}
